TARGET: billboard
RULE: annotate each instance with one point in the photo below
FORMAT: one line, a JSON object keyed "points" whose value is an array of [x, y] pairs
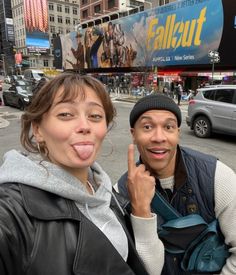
{"points": [[36, 25], [10, 30], [177, 34]]}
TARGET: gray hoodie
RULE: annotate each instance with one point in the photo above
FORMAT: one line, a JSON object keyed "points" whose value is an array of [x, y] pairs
{"points": [[50, 177]]}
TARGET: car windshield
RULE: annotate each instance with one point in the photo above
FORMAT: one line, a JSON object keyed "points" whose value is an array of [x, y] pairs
{"points": [[38, 75], [24, 90]]}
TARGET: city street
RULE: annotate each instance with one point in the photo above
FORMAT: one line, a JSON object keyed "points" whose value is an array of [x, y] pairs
{"points": [[113, 157]]}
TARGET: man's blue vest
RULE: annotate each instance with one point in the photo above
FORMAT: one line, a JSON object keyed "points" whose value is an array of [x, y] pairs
{"points": [[193, 193]]}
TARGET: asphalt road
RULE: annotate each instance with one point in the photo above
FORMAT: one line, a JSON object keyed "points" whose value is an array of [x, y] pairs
{"points": [[113, 156]]}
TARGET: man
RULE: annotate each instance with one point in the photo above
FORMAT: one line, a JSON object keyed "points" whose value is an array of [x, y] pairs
{"points": [[179, 92], [192, 182]]}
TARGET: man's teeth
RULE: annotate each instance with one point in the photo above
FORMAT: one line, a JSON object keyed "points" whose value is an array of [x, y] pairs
{"points": [[158, 151]]}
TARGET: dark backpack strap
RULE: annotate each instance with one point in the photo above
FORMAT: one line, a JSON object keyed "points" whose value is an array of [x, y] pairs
{"points": [[164, 208]]}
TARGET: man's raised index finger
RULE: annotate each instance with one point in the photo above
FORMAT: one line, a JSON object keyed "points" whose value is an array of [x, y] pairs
{"points": [[131, 162]]}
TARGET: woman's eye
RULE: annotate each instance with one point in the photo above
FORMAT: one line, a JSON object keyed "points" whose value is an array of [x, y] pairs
{"points": [[66, 114], [96, 116]]}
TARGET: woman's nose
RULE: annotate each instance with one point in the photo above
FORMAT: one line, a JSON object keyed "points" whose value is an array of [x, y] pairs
{"points": [[83, 126]]}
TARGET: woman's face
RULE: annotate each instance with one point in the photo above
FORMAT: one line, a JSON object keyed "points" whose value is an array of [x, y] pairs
{"points": [[73, 131]]}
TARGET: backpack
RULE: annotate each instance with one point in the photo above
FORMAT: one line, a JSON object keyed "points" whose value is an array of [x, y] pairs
{"points": [[201, 244]]}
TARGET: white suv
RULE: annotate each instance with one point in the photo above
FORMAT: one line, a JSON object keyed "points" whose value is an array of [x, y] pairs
{"points": [[213, 109]]}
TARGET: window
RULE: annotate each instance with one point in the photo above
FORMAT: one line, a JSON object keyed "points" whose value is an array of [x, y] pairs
{"points": [[52, 29], [59, 8], [75, 21], [59, 19], [111, 4], [84, 2], [84, 13], [51, 18], [67, 20], [67, 9], [60, 30], [45, 63], [209, 94], [51, 6], [75, 11], [97, 9], [224, 95]]}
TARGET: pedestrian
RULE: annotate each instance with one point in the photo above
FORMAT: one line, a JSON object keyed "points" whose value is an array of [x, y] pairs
{"points": [[179, 92], [58, 211], [191, 181]]}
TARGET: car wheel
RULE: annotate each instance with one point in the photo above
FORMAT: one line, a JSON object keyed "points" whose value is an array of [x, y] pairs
{"points": [[21, 105], [202, 127]]}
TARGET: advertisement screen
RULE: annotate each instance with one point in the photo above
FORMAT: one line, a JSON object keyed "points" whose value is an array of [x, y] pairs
{"points": [[36, 24], [177, 34]]}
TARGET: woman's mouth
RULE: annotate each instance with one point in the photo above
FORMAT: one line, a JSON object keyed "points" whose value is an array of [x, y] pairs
{"points": [[84, 151]]}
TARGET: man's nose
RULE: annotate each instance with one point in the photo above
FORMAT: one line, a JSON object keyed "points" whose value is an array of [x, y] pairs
{"points": [[158, 134]]}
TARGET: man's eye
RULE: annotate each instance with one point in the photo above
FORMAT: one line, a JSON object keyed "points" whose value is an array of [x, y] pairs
{"points": [[147, 126], [170, 127]]}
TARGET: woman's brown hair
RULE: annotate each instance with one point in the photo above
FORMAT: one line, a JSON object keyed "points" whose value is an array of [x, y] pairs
{"points": [[72, 84]]}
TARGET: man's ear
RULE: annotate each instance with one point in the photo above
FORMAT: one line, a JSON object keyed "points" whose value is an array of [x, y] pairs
{"points": [[36, 132], [132, 131]]}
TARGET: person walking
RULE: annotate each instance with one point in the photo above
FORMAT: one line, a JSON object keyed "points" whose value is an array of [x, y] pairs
{"points": [[179, 92], [191, 181], [58, 211]]}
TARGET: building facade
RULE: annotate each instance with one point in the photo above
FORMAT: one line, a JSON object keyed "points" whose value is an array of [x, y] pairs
{"points": [[62, 16], [6, 38]]}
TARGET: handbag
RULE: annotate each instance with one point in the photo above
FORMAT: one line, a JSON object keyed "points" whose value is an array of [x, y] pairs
{"points": [[201, 244]]}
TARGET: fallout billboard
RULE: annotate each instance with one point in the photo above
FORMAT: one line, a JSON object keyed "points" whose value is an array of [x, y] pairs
{"points": [[179, 33]]}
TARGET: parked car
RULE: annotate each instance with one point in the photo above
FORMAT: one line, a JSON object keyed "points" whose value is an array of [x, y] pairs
{"points": [[213, 109], [33, 76], [18, 95]]}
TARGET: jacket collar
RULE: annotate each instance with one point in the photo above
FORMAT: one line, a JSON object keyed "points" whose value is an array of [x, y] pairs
{"points": [[48, 206]]}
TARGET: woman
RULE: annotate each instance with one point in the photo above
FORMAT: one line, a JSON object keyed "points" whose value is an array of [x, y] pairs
{"points": [[58, 212]]}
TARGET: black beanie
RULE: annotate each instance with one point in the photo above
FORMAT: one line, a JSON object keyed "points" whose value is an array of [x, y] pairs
{"points": [[154, 102]]}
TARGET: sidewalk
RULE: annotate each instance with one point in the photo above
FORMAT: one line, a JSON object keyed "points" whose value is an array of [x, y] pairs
{"points": [[134, 99]]}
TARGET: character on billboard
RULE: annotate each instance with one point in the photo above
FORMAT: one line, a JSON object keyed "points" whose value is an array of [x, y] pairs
{"points": [[108, 47], [88, 41], [130, 54], [124, 55], [91, 46], [78, 53], [68, 57], [119, 40]]}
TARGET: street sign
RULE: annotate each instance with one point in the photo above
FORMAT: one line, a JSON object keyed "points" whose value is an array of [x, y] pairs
{"points": [[213, 54], [215, 60]]}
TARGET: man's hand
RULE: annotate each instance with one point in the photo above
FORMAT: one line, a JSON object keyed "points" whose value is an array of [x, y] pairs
{"points": [[141, 186]]}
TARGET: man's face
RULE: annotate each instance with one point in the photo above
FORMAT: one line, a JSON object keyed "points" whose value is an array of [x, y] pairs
{"points": [[156, 135]]}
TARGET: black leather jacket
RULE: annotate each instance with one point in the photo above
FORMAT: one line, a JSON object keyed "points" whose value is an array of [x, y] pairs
{"points": [[44, 234]]}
